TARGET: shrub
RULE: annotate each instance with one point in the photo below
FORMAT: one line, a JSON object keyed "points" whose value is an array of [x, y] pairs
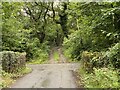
{"points": [[37, 51], [93, 59], [86, 57], [113, 54], [102, 78], [12, 62]]}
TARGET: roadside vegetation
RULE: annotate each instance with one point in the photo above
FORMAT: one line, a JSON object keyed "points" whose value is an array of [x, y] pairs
{"points": [[10, 78], [96, 43], [87, 32], [13, 67]]}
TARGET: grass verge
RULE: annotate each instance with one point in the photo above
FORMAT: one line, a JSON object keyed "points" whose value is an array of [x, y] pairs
{"points": [[73, 61], [38, 61], [9, 78], [99, 78]]}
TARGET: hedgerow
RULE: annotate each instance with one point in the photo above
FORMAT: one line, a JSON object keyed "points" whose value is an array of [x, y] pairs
{"points": [[12, 62]]}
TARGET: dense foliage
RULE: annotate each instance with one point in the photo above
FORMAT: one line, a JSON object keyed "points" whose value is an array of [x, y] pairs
{"points": [[33, 27], [95, 42], [97, 27]]}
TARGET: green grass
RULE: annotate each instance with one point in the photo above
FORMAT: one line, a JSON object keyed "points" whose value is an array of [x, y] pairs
{"points": [[73, 61], [56, 56], [37, 61], [9, 78]]}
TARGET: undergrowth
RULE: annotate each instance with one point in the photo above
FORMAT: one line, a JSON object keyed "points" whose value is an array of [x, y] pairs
{"points": [[9, 78], [100, 78]]}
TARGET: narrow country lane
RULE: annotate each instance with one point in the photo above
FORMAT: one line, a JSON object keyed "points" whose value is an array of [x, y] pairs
{"points": [[52, 75], [60, 44], [49, 76]]}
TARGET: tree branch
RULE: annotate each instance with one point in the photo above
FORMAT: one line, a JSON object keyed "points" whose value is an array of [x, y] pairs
{"points": [[29, 12]]}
